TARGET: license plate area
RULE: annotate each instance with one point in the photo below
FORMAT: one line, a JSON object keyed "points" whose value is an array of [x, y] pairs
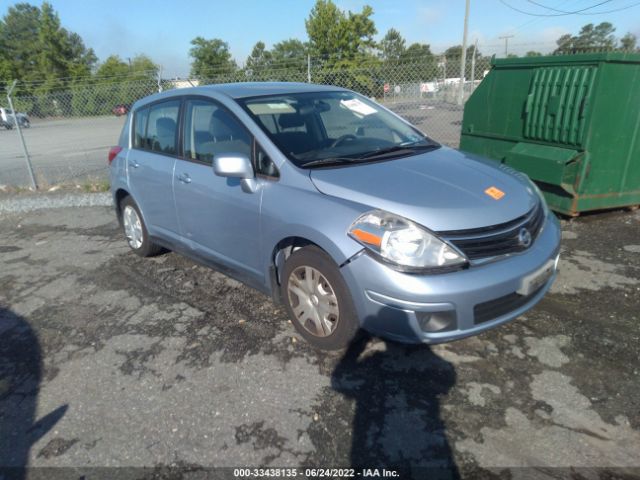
{"points": [[537, 279]]}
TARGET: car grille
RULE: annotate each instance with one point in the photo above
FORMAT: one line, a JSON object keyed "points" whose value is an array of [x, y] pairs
{"points": [[497, 239], [487, 311]]}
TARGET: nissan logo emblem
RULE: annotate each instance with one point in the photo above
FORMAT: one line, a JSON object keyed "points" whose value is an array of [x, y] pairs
{"points": [[524, 237]]}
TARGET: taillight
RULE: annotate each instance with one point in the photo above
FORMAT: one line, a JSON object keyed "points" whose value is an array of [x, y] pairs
{"points": [[113, 153]]}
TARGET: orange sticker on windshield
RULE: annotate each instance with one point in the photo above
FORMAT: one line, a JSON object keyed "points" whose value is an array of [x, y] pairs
{"points": [[494, 193]]}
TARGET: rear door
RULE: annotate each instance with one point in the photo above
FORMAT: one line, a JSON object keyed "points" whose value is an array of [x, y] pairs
{"points": [[221, 221], [151, 162]]}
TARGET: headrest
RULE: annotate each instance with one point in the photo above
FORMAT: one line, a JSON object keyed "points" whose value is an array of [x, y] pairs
{"points": [[165, 127], [221, 124]]}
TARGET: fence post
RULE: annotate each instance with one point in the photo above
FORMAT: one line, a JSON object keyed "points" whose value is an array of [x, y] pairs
{"points": [[463, 59], [308, 68], [473, 66], [34, 185]]}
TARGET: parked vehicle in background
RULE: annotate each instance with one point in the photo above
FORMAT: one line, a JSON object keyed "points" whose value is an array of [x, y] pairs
{"points": [[336, 207], [7, 121], [121, 109]]}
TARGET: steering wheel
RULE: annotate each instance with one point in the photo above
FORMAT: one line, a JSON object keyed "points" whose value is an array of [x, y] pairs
{"points": [[343, 138]]}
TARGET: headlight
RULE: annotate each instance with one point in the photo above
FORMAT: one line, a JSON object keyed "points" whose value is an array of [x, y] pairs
{"points": [[402, 242]]}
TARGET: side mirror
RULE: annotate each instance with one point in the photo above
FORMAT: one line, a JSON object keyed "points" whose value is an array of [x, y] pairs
{"points": [[236, 165]]}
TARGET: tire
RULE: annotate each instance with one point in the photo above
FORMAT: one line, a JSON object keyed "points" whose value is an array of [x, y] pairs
{"points": [[26, 124], [321, 310], [135, 230]]}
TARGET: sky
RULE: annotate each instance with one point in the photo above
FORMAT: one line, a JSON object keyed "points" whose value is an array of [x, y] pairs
{"points": [[163, 29]]}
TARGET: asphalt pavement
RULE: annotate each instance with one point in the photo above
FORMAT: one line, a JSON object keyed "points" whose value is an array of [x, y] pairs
{"points": [[163, 369]]}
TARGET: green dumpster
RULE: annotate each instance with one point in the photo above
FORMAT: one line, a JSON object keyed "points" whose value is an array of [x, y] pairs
{"points": [[570, 122]]}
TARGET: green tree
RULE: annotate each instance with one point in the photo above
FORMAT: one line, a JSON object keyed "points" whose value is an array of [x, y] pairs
{"points": [[452, 56], [18, 41], [210, 57], [590, 37], [533, 53], [142, 67], [336, 36], [417, 53], [628, 42], [259, 58], [392, 46], [35, 48], [290, 54], [112, 69]]}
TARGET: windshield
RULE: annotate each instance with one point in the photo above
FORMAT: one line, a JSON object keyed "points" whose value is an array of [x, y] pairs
{"points": [[333, 127]]}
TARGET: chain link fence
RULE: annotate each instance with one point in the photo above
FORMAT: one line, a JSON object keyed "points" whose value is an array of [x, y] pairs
{"points": [[71, 129]]}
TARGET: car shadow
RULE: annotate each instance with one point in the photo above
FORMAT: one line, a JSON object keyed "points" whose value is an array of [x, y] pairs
{"points": [[20, 377], [397, 423]]}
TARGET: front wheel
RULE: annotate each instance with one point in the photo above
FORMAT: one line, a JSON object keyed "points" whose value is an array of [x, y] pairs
{"points": [[135, 230], [318, 299]]}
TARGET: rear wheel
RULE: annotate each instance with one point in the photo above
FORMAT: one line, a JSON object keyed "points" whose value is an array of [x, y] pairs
{"points": [[318, 299], [135, 230]]}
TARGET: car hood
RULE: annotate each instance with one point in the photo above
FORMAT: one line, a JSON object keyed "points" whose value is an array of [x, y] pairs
{"points": [[443, 189]]}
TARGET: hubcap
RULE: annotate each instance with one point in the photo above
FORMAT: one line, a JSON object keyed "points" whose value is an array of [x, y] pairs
{"points": [[313, 301], [132, 227]]}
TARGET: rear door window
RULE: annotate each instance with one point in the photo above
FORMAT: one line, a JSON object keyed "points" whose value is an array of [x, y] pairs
{"points": [[162, 127]]}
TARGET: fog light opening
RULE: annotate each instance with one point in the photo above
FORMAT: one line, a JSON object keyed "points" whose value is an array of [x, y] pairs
{"points": [[436, 321]]}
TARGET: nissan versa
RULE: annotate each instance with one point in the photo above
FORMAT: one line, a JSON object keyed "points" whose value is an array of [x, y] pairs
{"points": [[335, 206]]}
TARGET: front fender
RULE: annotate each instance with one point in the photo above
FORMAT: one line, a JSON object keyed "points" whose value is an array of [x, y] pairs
{"points": [[310, 215]]}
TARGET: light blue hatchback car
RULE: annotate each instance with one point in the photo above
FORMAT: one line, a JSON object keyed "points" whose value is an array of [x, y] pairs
{"points": [[336, 207]]}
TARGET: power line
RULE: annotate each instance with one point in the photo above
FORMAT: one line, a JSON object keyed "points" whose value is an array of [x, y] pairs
{"points": [[536, 20], [586, 13], [554, 14]]}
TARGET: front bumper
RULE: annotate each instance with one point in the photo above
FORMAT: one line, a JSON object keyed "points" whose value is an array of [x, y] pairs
{"points": [[400, 306]]}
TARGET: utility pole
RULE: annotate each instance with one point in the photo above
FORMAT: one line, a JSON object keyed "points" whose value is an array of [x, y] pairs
{"points": [[463, 59], [473, 65], [506, 43], [160, 79]]}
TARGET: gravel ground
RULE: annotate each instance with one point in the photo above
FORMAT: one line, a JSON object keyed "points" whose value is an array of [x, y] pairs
{"points": [[30, 202], [113, 366]]}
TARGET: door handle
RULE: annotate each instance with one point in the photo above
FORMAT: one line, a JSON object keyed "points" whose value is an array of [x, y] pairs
{"points": [[184, 178], [133, 163]]}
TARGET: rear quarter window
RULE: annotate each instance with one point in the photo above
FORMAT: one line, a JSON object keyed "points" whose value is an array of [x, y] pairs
{"points": [[140, 128], [123, 141]]}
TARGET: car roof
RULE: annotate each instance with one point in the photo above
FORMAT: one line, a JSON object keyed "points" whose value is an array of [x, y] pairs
{"points": [[254, 89], [244, 90]]}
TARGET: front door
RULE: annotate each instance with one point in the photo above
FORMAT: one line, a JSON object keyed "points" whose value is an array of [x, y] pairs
{"points": [[215, 215]]}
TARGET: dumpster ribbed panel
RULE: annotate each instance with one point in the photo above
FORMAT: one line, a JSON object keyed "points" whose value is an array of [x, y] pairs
{"points": [[557, 102]]}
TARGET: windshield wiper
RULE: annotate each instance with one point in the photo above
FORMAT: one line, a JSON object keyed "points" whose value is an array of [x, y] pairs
{"points": [[329, 161], [381, 152]]}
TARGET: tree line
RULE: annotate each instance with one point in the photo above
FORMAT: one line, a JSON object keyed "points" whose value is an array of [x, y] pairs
{"points": [[60, 75]]}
